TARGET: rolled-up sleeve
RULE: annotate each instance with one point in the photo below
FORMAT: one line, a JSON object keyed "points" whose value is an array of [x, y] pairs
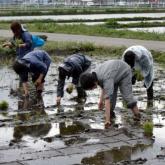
{"points": [[47, 60], [108, 88], [60, 87]]}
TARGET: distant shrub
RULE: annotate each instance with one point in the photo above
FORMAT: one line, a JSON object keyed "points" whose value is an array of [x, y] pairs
{"points": [[112, 23], [4, 105]]}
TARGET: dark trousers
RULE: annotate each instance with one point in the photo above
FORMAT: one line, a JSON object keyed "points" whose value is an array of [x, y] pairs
{"points": [[150, 92], [81, 93]]}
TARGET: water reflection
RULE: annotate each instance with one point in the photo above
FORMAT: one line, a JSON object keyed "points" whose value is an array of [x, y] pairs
{"points": [[70, 128], [29, 124], [32, 130], [65, 131], [115, 155], [36, 107]]}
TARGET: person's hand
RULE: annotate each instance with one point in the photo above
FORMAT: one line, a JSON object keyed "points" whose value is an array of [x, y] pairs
{"points": [[137, 117], [38, 82], [100, 105], [58, 101], [26, 94], [107, 124], [7, 45]]}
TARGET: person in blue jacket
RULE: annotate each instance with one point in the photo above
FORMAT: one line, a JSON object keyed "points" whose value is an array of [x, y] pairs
{"points": [[22, 40], [37, 63], [73, 66]]}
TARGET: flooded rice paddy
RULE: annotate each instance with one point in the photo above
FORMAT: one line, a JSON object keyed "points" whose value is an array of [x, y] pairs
{"points": [[82, 16], [35, 131]]}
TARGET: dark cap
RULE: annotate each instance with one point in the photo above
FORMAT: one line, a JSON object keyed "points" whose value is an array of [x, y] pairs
{"points": [[66, 67], [65, 70]]}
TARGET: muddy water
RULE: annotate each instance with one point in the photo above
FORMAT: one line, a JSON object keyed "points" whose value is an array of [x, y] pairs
{"points": [[36, 122]]}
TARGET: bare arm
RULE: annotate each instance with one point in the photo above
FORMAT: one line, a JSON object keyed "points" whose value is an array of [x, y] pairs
{"points": [[39, 80], [101, 100], [107, 113], [22, 45], [58, 100], [25, 88]]}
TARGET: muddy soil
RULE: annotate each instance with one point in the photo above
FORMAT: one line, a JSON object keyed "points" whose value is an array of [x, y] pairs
{"points": [[35, 131]]}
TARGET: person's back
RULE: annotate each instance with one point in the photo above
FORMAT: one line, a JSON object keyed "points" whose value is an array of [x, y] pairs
{"points": [[37, 58], [26, 39], [112, 69], [78, 62], [141, 53]]}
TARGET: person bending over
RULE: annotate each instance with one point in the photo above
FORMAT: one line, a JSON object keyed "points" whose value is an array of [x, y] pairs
{"points": [[37, 64], [73, 66], [139, 58], [110, 76]]}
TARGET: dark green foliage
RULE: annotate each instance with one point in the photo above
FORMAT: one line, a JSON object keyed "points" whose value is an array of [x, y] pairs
{"points": [[4, 105], [112, 23]]}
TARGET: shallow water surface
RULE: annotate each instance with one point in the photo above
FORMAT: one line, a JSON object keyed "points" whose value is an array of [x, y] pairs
{"points": [[35, 123]]}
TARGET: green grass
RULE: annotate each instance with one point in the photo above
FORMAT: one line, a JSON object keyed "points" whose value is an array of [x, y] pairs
{"points": [[109, 29], [61, 49], [97, 30], [148, 128]]}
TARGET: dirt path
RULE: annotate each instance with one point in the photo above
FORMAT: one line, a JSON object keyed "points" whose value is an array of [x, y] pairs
{"points": [[102, 41]]}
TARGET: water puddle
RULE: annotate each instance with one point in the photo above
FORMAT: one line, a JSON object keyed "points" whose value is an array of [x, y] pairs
{"points": [[36, 123], [123, 154]]}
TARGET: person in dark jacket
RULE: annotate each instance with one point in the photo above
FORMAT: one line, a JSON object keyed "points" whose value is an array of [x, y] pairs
{"points": [[37, 63], [73, 66], [22, 40]]}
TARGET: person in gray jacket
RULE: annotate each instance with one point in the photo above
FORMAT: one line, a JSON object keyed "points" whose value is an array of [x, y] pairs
{"points": [[110, 76], [73, 66], [139, 58]]}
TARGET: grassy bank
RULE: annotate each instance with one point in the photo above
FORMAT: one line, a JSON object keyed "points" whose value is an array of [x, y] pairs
{"points": [[106, 30], [61, 49], [66, 48], [97, 30], [75, 11]]}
